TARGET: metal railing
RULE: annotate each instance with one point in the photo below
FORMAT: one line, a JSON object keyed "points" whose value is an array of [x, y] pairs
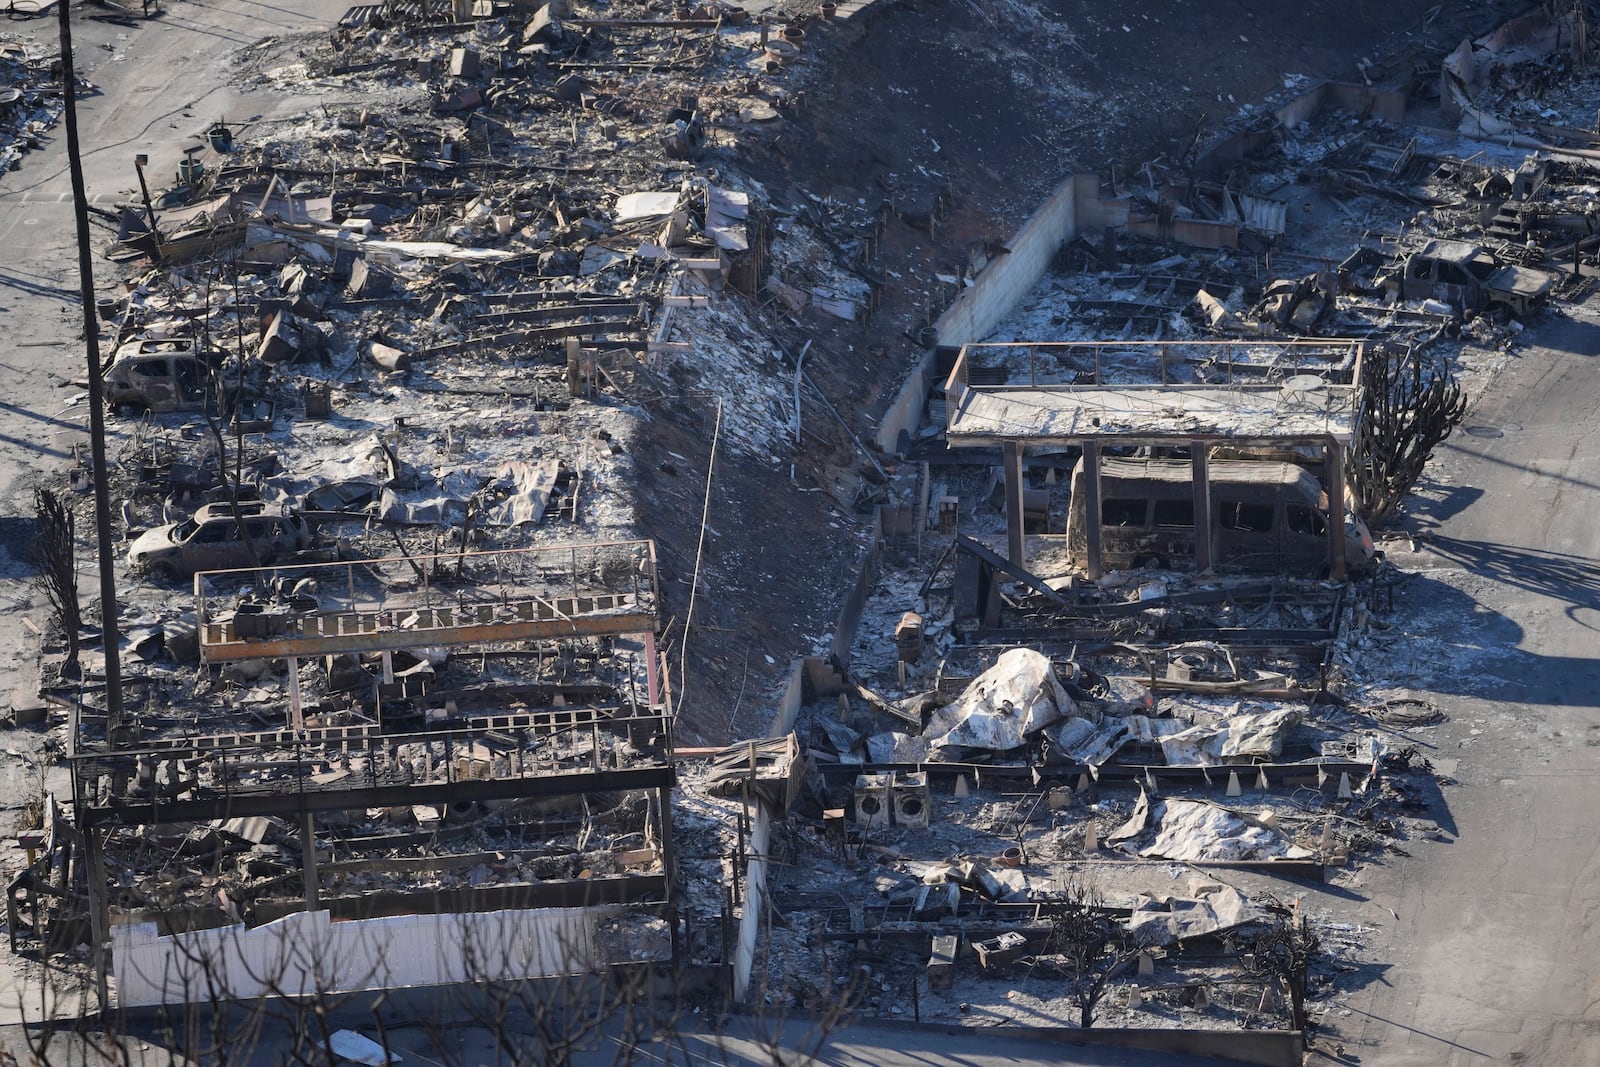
{"points": [[1244, 362], [425, 595], [357, 760]]}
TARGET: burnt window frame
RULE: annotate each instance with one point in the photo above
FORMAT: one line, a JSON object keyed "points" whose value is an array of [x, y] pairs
{"points": [[1230, 514], [1320, 520], [1113, 503], [1186, 508]]}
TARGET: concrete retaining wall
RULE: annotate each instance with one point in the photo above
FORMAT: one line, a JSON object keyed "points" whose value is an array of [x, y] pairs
{"points": [[1006, 279], [904, 417], [1011, 275], [1093, 212], [844, 628], [1363, 100], [790, 701], [1386, 104], [755, 901]]}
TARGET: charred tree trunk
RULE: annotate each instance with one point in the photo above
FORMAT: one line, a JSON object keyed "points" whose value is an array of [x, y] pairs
{"points": [[1092, 948], [1285, 951], [1410, 405], [55, 546]]}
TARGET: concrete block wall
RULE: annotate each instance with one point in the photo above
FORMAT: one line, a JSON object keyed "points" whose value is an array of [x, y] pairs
{"points": [[855, 601], [790, 700], [1011, 275], [1092, 211], [308, 953]]}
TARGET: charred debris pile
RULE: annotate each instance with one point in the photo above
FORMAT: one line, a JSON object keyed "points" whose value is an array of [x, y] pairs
{"points": [[1003, 741], [30, 96], [395, 639]]}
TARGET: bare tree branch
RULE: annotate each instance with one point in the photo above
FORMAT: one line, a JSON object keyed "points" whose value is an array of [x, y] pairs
{"points": [[1410, 405], [54, 552]]}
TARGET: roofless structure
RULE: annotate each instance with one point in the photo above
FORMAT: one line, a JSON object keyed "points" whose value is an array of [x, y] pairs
{"points": [[1195, 395]]}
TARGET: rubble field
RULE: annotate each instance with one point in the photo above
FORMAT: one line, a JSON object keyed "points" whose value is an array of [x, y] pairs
{"points": [[490, 442]]}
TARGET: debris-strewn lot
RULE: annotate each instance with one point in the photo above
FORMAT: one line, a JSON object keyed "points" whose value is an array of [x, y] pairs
{"points": [[534, 286], [1011, 748]]}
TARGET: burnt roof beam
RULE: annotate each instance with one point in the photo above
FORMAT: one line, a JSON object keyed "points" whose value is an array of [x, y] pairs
{"points": [[309, 797]]}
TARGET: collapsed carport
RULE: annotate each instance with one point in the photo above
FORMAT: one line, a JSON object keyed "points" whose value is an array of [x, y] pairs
{"points": [[1299, 410]]}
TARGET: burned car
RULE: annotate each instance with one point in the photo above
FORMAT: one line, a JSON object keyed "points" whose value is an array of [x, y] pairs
{"points": [[211, 540], [157, 375], [1469, 278]]}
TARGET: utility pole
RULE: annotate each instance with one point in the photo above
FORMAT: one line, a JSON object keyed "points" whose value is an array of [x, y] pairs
{"points": [[102, 497], [97, 423]]}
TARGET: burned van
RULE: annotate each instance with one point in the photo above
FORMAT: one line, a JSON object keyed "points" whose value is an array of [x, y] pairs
{"points": [[1265, 517]]}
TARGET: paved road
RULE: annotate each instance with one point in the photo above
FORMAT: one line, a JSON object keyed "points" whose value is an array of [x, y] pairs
{"points": [[866, 1045], [1497, 955]]}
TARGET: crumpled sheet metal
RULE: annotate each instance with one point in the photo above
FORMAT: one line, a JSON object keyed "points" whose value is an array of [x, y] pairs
{"points": [[1080, 740], [1194, 831], [1003, 706], [1208, 909], [1238, 738]]}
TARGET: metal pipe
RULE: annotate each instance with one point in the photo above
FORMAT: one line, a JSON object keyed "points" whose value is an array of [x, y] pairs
{"points": [[144, 188]]}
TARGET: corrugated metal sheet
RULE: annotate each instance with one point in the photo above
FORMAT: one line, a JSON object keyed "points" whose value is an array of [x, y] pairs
{"points": [[1263, 214], [401, 11]]}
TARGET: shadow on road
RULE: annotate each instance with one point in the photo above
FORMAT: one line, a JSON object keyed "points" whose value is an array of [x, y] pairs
{"points": [[33, 288], [17, 533], [1444, 640], [1428, 512], [50, 419], [1440, 1038], [1570, 336], [1573, 580], [1475, 455], [34, 446]]}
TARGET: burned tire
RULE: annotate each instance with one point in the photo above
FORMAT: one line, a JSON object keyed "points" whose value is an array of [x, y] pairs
{"points": [[164, 572]]}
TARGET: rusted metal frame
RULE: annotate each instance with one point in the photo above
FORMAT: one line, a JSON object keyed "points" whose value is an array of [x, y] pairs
{"points": [[1016, 539], [392, 639], [248, 803], [1094, 561]]}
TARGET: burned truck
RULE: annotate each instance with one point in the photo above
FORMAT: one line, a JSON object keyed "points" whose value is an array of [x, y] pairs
{"points": [[1464, 277]]}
